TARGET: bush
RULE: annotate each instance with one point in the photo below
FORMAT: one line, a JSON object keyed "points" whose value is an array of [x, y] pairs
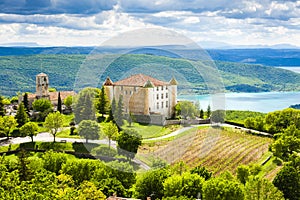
{"points": [[104, 151], [73, 131]]}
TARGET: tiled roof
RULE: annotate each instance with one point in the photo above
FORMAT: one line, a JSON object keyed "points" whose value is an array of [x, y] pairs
{"points": [[108, 81], [140, 80], [54, 95]]}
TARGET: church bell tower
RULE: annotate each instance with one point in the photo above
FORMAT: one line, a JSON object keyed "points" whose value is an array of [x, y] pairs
{"points": [[42, 84]]}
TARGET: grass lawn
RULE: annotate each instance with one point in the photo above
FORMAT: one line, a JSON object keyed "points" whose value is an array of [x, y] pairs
{"points": [[66, 134], [151, 131]]}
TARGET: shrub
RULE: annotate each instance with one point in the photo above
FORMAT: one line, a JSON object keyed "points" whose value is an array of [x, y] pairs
{"points": [[104, 151]]}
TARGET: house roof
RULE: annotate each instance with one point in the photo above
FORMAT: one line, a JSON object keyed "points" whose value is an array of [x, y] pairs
{"points": [[54, 95], [140, 80], [108, 81], [42, 74]]}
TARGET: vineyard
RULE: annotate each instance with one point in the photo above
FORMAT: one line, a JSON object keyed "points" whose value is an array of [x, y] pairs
{"points": [[218, 150]]}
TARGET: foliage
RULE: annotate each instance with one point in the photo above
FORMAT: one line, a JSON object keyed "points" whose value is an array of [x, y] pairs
{"points": [[261, 189], [25, 101], [208, 111], [2, 111], [84, 105], [150, 184], [286, 143], [53, 122], [288, 178], [111, 131], [202, 171], [41, 105], [59, 103], [68, 101], [112, 110], [221, 189], [128, 143], [187, 184], [239, 116], [53, 161], [186, 109], [21, 115], [87, 190], [7, 125], [89, 130], [201, 114], [218, 116], [102, 104], [119, 114], [29, 129], [104, 151]]}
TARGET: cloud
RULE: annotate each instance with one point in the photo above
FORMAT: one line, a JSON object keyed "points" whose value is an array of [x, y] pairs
{"points": [[30, 7]]}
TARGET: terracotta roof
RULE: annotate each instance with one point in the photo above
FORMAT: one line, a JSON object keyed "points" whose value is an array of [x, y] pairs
{"points": [[140, 80], [108, 81], [54, 95], [173, 81]]}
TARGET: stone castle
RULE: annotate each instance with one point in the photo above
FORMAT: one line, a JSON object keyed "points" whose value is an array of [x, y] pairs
{"points": [[144, 95]]}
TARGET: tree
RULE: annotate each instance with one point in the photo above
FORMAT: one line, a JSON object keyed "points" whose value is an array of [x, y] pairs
{"points": [[128, 143], [286, 143], [84, 107], [201, 114], [112, 111], [208, 112], [119, 112], [53, 161], [7, 125], [29, 129], [87, 190], [261, 189], [150, 184], [111, 131], [89, 130], [25, 101], [53, 122], [218, 116], [187, 184], [288, 178], [59, 109], [202, 171], [2, 111], [41, 105], [221, 189], [21, 115], [68, 101], [103, 102], [186, 109]]}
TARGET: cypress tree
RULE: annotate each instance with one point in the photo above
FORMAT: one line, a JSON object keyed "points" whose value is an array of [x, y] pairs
{"points": [[208, 112], [2, 111], [21, 115], [25, 101], [112, 111], [59, 103], [119, 112], [102, 104]]}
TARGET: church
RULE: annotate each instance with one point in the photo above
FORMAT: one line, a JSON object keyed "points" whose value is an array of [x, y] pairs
{"points": [[144, 96], [42, 91]]}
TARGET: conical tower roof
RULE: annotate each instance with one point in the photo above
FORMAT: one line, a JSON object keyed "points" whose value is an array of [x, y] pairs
{"points": [[108, 82], [173, 81]]}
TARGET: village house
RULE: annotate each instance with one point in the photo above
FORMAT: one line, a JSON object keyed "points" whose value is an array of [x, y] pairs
{"points": [[148, 99]]}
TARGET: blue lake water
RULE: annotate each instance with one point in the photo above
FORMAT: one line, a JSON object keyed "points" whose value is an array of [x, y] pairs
{"points": [[261, 102]]}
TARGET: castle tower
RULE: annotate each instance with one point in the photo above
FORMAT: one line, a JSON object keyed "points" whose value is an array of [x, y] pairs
{"points": [[173, 96], [109, 89], [42, 84]]}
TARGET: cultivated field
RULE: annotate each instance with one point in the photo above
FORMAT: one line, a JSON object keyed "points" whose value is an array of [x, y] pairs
{"points": [[218, 150]]}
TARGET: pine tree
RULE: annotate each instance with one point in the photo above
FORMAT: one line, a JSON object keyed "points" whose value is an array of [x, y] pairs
{"points": [[59, 103], [119, 112], [208, 112], [201, 113], [2, 111], [21, 115], [102, 104], [25, 101], [112, 111]]}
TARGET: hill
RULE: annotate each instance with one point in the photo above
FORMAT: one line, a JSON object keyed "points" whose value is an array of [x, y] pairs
{"points": [[18, 72]]}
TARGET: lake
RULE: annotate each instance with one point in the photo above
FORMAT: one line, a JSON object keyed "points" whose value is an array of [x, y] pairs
{"points": [[261, 102]]}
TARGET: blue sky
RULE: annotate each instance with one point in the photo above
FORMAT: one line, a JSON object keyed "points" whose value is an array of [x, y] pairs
{"points": [[90, 22]]}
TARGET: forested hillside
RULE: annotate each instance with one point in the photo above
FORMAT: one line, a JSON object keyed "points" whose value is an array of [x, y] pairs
{"points": [[18, 72]]}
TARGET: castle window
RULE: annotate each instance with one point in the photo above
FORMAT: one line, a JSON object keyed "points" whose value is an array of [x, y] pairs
{"points": [[162, 95], [166, 87], [162, 87], [167, 95], [135, 89], [167, 104], [162, 104], [157, 96], [157, 89], [122, 88], [126, 92], [130, 92], [157, 105]]}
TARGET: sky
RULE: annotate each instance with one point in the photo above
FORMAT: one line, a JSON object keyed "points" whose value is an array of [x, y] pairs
{"points": [[91, 22]]}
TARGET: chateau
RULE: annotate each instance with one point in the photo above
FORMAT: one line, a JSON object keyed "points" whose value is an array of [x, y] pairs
{"points": [[144, 95], [42, 91]]}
